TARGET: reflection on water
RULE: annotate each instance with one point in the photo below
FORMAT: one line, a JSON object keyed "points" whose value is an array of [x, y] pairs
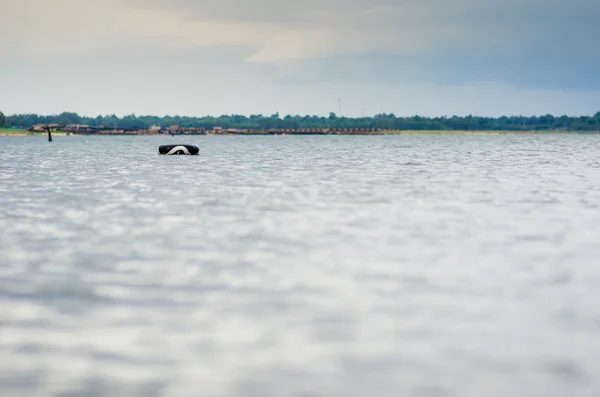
{"points": [[300, 266]]}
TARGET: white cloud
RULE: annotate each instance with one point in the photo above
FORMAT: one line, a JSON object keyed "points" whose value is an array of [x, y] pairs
{"points": [[34, 28]]}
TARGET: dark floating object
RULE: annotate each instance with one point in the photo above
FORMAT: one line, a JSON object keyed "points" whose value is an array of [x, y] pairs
{"points": [[171, 150]]}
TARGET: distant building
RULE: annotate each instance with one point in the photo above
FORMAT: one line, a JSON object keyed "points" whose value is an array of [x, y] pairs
{"points": [[42, 127], [78, 128]]}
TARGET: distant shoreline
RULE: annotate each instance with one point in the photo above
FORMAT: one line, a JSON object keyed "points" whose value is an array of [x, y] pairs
{"points": [[13, 132]]}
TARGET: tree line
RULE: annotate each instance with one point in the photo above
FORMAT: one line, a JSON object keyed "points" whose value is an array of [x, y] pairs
{"points": [[382, 121]]}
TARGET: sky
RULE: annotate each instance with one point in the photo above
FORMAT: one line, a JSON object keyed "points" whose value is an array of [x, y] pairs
{"points": [[350, 57]]}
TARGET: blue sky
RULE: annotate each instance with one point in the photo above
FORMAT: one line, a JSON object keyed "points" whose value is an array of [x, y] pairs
{"points": [[428, 57]]}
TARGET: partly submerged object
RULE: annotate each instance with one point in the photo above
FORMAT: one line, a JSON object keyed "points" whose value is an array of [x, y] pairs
{"points": [[178, 149]]}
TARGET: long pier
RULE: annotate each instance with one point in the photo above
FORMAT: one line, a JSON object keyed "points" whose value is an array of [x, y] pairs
{"points": [[176, 130]]}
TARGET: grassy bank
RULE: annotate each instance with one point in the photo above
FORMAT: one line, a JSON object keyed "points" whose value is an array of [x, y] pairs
{"points": [[457, 132], [15, 132], [389, 132]]}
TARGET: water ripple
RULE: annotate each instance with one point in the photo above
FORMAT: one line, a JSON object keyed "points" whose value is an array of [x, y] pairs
{"points": [[300, 266]]}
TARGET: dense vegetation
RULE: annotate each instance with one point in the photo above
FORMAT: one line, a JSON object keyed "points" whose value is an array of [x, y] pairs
{"points": [[2, 119], [383, 121]]}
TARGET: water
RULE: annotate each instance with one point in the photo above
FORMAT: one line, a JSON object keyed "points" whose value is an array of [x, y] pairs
{"points": [[423, 266]]}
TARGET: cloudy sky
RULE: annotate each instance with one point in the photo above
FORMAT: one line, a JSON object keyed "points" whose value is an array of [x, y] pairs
{"points": [[199, 57]]}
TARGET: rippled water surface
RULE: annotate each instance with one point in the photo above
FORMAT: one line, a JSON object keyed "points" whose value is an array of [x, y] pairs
{"points": [[424, 266]]}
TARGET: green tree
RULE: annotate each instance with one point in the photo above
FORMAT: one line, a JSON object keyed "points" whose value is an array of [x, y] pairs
{"points": [[2, 119], [66, 118], [131, 122], [259, 121]]}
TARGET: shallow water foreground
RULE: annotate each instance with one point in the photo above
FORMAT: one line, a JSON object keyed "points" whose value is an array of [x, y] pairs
{"points": [[419, 265]]}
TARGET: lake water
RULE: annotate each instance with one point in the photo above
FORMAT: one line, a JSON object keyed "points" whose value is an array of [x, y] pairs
{"points": [[316, 266]]}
